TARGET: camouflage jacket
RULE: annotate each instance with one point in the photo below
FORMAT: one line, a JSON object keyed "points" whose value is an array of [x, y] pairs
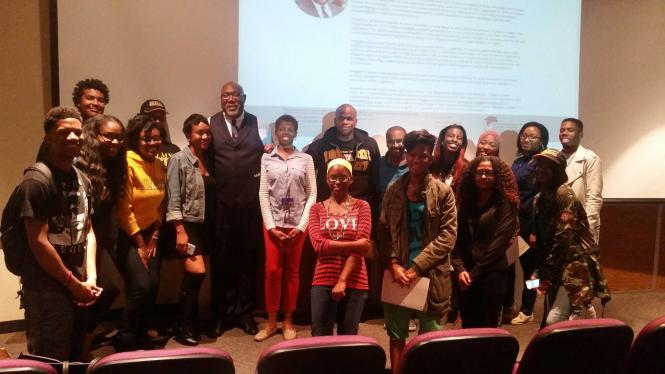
{"points": [[563, 234]]}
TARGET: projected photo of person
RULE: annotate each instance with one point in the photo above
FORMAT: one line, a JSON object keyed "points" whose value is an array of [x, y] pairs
{"points": [[322, 8]]}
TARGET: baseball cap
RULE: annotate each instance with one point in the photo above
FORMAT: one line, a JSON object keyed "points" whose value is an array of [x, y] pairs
{"points": [[552, 155], [152, 105]]}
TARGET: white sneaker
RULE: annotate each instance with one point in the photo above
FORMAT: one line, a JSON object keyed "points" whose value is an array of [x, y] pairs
{"points": [[412, 325], [521, 319], [575, 316]]}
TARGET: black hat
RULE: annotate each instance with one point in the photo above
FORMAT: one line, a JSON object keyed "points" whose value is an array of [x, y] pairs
{"points": [[152, 105]]}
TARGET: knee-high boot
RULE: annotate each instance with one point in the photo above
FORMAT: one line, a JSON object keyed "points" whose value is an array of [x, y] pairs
{"points": [[189, 298]]}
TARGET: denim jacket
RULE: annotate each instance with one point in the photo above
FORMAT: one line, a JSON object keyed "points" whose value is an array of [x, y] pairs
{"points": [[185, 191]]}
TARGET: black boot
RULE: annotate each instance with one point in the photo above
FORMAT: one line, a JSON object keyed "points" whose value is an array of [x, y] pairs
{"points": [[189, 298]]}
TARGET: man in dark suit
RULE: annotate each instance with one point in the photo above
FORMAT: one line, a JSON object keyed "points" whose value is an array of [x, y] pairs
{"points": [[236, 160], [321, 8]]}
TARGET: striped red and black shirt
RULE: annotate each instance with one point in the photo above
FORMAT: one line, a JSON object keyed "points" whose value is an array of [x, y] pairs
{"points": [[323, 227]]}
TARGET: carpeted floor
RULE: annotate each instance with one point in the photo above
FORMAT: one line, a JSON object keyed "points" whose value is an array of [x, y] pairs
{"points": [[633, 308]]}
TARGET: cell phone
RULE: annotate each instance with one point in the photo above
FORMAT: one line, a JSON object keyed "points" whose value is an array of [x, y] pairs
{"points": [[533, 283], [190, 249]]}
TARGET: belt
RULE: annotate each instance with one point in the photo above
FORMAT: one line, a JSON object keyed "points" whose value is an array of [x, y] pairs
{"points": [[69, 249]]}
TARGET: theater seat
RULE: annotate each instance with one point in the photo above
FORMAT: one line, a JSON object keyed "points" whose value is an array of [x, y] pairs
{"points": [[172, 361], [478, 350], [580, 346], [22, 366], [648, 352], [348, 354]]}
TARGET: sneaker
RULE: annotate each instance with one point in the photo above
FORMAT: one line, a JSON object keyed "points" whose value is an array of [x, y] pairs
{"points": [[412, 325], [575, 316], [521, 319], [590, 312], [507, 316]]}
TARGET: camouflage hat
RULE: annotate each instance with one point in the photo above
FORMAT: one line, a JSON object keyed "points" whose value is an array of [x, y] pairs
{"points": [[552, 155]]}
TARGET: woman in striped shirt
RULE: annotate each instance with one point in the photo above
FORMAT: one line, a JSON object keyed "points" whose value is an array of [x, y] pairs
{"points": [[339, 229]]}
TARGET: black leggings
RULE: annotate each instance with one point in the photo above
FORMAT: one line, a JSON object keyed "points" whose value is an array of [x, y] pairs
{"points": [[108, 278], [141, 289]]}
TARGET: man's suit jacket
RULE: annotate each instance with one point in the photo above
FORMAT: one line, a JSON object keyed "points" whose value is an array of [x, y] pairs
{"points": [[308, 7], [236, 163]]}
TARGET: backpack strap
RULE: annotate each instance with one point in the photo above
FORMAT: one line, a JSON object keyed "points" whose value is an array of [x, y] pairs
{"points": [[42, 168]]}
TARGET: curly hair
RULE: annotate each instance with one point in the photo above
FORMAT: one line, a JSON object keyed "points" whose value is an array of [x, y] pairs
{"points": [[103, 173], [505, 184], [89, 84], [442, 167], [59, 113]]}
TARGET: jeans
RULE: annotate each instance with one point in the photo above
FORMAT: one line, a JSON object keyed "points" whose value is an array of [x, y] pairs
{"points": [[346, 312], [560, 310]]}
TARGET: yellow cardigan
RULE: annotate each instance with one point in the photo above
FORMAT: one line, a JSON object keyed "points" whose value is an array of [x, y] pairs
{"points": [[143, 202]]}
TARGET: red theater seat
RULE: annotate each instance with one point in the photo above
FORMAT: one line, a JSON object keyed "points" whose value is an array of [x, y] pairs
{"points": [[22, 366], [580, 346], [648, 352], [172, 361], [348, 354], [479, 350]]}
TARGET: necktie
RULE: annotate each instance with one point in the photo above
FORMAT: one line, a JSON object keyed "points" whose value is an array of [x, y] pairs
{"points": [[234, 129], [324, 14]]}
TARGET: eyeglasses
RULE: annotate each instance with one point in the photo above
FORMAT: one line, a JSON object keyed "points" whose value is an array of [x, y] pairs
{"points": [[484, 173], [229, 95], [149, 139], [530, 138], [339, 179], [109, 137], [395, 141]]}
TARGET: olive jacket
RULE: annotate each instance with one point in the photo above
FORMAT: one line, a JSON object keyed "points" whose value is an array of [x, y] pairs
{"points": [[438, 236]]}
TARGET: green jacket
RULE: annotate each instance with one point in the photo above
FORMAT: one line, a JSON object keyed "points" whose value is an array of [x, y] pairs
{"points": [[439, 233]]}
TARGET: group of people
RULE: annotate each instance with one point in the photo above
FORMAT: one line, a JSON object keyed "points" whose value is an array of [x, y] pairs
{"points": [[123, 198]]}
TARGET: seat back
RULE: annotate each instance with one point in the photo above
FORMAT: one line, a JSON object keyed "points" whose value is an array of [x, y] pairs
{"points": [[172, 361], [478, 350], [648, 351], [23, 366], [579, 346], [349, 354]]}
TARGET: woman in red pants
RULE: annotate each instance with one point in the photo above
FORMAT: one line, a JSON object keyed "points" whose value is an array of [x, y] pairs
{"points": [[286, 193]]}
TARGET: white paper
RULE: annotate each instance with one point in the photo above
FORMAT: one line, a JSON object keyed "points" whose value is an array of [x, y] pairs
{"points": [[412, 297]]}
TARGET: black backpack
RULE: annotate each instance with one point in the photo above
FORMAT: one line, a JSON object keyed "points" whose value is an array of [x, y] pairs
{"points": [[12, 230]]}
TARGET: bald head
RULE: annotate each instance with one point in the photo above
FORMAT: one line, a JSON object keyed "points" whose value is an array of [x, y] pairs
{"points": [[395, 142], [345, 121], [232, 99]]}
